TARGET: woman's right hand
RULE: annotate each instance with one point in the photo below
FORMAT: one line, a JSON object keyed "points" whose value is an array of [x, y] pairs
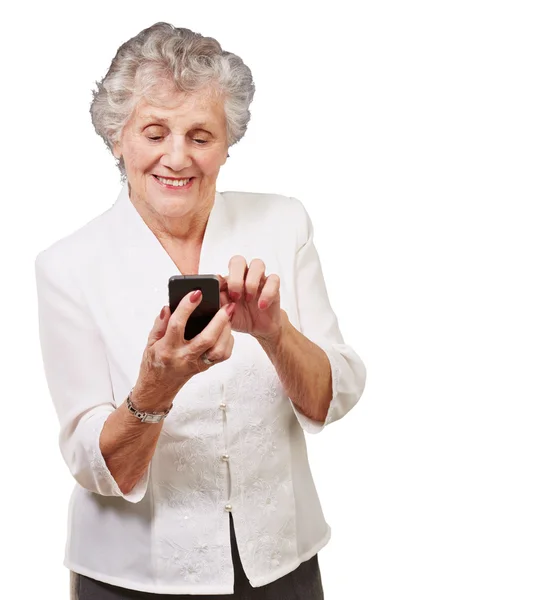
{"points": [[169, 360]]}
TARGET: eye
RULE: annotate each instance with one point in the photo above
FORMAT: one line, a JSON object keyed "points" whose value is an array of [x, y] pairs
{"points": [[199, 141], [155, 138]]}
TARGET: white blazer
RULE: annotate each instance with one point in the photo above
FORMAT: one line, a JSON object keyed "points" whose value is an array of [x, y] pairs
{"points": [[99, 292]]}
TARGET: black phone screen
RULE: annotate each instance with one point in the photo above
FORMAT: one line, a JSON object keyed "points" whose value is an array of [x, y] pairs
{"points": [[181, 285]]}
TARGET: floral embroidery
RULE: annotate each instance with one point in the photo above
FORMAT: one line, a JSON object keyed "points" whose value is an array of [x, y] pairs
{"points": [[269, 392], [193, 497], [185, 562], [199, 557], [99, 467], [262, 436], [266, 545], [264, 495], [189, 454], [98, 464]]}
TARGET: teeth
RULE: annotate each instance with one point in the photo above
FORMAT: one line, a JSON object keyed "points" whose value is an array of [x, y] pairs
{"points": [[174, 182]]}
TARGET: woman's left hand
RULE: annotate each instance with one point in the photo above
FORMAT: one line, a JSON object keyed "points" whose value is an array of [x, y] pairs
{"points": [[256, 297]]}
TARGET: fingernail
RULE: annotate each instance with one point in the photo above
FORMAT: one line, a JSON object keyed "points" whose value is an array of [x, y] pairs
{"points": [[263, 304], [195, 295], [235, 296], [162, 313], [230, 309], [249, 297]]}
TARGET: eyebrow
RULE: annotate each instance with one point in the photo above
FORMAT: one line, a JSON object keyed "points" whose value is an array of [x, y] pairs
{"points": [[197, 125], [155, 118]]}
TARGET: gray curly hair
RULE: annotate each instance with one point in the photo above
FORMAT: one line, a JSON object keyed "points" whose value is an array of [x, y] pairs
{"points": [[176, 54]]}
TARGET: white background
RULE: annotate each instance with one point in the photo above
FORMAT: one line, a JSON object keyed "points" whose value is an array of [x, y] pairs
{"points": [[406, 128]]}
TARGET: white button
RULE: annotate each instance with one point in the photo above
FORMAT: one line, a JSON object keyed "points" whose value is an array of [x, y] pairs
{"points": [[225, 457], [228, 508], [222, 405]]}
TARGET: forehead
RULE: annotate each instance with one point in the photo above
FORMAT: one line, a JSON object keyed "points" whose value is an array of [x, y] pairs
{"points": [[177, 107]]}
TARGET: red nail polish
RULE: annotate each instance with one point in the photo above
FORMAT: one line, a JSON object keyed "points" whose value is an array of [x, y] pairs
{"points": [[162, 313], [195, 295], [230, 309], [249, 297], [263, 304]]}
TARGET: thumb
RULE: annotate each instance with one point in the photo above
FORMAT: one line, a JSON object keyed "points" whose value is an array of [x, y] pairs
{"points": [[160, 325]]}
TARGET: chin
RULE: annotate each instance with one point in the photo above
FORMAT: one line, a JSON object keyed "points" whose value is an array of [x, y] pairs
{"points": [[173, 207]]}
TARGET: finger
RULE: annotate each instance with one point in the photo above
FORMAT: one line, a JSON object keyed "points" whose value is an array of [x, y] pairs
{"points": [[223, 291], [208, 337], [270, 292], [160, 326], [237, 272], [179, 318], [223, 284], [255, 274], [217, 352], [229, 347], [225, 298]]}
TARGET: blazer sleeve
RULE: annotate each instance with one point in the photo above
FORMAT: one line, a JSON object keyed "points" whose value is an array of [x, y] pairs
{"points": [[77, 374], [319, 324]]}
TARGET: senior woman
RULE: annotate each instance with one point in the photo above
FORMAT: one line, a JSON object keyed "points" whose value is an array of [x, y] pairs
{"points": [[189, 456]]}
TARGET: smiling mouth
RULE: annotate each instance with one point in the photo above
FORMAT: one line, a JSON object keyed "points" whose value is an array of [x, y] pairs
{"points": [[173, 181]]}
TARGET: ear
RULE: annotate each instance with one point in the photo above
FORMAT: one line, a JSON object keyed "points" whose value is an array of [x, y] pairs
{"points": [[116, 150]]}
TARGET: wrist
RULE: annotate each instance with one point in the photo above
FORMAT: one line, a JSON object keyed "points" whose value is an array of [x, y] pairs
{"points": [[274, 339], [146, 398]]}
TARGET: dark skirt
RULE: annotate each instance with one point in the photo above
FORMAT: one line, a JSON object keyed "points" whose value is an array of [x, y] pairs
{"points": [[304, 583]]}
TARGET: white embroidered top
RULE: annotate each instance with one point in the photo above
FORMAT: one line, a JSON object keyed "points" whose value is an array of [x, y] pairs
{"points": [[233, 441]]}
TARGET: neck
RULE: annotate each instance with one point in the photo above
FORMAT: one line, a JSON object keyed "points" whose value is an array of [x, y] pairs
{"points": [[186, 230]]}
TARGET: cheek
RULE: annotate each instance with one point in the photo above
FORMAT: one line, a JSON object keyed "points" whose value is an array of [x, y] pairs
{"points": [[140, 158], [143, 159], [209, 163]]}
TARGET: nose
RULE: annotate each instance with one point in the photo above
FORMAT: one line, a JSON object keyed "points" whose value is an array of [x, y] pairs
{"points": [[176, 154]]}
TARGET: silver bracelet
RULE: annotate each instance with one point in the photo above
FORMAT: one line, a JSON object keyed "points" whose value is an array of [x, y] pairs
{"points": [[145, 417]]}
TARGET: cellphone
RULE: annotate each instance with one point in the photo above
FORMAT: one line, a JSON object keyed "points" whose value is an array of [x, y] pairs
{"points": [[181, 285]]}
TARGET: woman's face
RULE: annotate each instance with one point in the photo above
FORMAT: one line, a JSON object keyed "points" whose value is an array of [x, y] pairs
{"points": [[183, 138]]}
